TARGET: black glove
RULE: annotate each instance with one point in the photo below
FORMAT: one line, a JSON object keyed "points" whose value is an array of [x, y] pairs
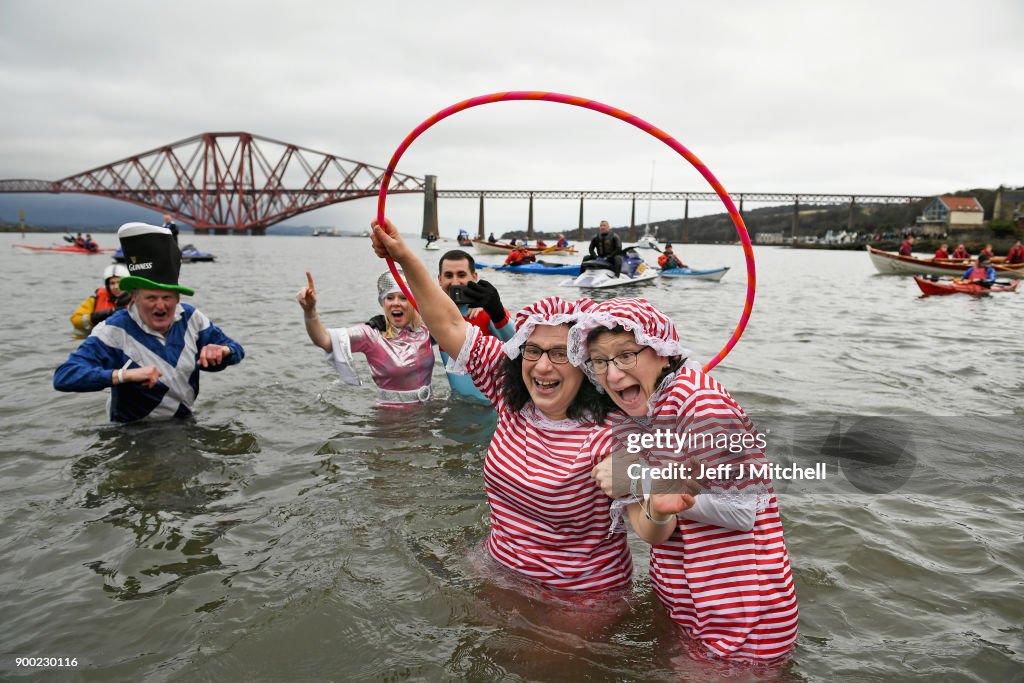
{"points": [[122, 300], [96, 317], [482, 294], [378, 323]]}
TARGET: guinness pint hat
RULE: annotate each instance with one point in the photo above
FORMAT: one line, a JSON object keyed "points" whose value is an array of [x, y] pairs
{"points": [[152, 257]]}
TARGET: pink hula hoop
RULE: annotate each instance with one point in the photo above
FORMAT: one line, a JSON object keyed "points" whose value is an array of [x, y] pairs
{"points": [[636, 121]]}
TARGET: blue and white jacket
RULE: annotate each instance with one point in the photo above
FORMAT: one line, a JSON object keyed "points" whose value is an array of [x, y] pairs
{"points": [[124, 339]]}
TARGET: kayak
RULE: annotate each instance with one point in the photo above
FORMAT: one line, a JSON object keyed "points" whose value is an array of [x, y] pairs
{"points": [[539, 268], [65, 249], [714, 274], [189, 254], [929, 287]]}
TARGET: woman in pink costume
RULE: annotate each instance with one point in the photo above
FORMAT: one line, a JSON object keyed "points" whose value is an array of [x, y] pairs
{"points": [[549, 521], [718, 558], [401, 358]]}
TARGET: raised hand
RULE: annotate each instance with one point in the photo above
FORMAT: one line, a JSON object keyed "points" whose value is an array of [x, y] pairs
{"points": [[307, 295], [388, 242]]}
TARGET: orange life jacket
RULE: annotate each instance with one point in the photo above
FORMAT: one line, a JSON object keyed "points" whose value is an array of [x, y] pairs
{"points": [[103, 300]]}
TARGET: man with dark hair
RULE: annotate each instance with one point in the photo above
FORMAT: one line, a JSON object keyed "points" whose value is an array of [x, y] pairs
{"points": [[479, 304]]}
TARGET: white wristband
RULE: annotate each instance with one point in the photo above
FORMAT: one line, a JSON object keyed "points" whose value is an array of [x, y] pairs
{"points": [[120, 376]]}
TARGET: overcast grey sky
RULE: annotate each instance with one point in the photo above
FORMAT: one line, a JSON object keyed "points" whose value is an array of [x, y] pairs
{"points": [[791, 96]]}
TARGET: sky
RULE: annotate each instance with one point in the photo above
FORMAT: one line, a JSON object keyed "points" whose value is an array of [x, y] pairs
{"points": [[894, 97]]}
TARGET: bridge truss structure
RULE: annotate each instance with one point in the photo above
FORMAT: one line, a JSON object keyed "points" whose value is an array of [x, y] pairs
{"points": [[227, 181]]}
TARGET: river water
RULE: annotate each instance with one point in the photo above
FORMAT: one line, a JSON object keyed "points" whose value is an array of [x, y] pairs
{"points": [[295, 531]]}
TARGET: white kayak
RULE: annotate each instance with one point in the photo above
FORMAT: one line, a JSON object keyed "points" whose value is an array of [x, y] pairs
{"points": [[432, 246], [599, 279], [714, 274]]}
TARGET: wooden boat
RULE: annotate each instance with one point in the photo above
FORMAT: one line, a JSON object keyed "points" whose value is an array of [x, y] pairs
{"points": [[932, 287], [888, 263], [485, 247]]}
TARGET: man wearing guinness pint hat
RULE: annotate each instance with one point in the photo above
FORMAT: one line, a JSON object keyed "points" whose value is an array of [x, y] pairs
{"points": [[150, 353]]}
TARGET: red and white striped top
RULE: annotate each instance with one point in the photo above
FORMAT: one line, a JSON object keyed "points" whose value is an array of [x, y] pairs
{"points": [[731, 590], [549, 520]]}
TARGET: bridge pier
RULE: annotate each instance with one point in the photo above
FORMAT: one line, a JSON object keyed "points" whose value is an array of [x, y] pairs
{"points": [[480, 221], [529, 222], [796, 218], [686, 221], [579, 234], [429, 206], [853, 209], [632, 220]]}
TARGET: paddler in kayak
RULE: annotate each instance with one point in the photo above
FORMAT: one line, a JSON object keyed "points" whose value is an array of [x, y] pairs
{"points": [[981, 274], [103, 302], [401, 358], [669, 260], [1016, 254], [961, 252], [519, 256]]}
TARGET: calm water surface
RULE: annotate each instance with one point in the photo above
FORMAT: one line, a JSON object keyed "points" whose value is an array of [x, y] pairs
{"points": [[295, 531]]}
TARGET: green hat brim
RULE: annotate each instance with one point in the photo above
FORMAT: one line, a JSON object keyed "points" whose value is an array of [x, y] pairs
{"points": [[133, 282]]}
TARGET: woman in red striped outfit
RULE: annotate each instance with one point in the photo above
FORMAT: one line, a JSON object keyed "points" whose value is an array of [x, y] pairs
{"points": [[718, 558], [549, 520]]}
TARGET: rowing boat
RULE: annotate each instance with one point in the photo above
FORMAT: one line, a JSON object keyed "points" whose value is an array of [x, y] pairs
{"points": [[888, 263], [62, 249]]}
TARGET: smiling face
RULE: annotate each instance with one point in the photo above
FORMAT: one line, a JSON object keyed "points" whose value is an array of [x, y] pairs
{"points": [[397, 310], [552, 386], [630, 388], [156, 307], [455, 272]]}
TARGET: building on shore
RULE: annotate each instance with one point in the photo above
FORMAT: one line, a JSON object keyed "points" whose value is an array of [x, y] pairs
{"points": [[948, 212]]}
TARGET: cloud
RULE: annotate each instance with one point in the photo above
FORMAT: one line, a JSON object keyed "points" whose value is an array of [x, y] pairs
{"points": [[909, 97]]}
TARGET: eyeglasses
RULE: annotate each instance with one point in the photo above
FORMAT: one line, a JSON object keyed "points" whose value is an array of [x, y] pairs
{"points": [[623, 361], [557, 355]]}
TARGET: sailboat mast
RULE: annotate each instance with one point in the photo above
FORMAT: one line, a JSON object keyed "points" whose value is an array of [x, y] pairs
{"points": [[647, 226]]}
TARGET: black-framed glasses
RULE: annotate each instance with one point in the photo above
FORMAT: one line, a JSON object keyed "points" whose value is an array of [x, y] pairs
{"points": [[623, 361], [557, 355]]}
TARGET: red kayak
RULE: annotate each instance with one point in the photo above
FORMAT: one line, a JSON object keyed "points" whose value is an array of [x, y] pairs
{"points": [[67, 249], [929, 287]]}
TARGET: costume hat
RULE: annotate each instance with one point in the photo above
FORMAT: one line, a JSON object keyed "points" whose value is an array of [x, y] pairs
{"points": [[152, 257]]}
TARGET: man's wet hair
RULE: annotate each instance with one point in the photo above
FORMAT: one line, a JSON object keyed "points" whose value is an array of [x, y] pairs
{"points": [[456, 255]]}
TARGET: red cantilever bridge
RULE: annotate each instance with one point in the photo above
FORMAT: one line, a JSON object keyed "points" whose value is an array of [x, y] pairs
{"points": [[228, 181], [242, 182]]}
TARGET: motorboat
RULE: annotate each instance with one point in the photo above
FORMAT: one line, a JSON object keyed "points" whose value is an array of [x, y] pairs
{"points": [[597, 273]]}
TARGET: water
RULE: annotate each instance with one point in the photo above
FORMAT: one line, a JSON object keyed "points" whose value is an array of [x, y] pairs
{"points": [[297, 532]]}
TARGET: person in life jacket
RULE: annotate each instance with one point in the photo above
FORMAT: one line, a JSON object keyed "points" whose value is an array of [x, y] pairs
{"points": [[961, 252], [907, 248], [669, 260], [988, 251], [563, 243], [942, 251], [519, 256], [103, 302], [983, 273], [1016, 254]]}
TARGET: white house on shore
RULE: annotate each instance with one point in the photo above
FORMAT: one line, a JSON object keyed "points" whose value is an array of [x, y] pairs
{"points": [[947, 212]]}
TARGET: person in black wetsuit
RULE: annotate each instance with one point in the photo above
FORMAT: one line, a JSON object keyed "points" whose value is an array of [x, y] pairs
{"points": [[607, 245]]}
